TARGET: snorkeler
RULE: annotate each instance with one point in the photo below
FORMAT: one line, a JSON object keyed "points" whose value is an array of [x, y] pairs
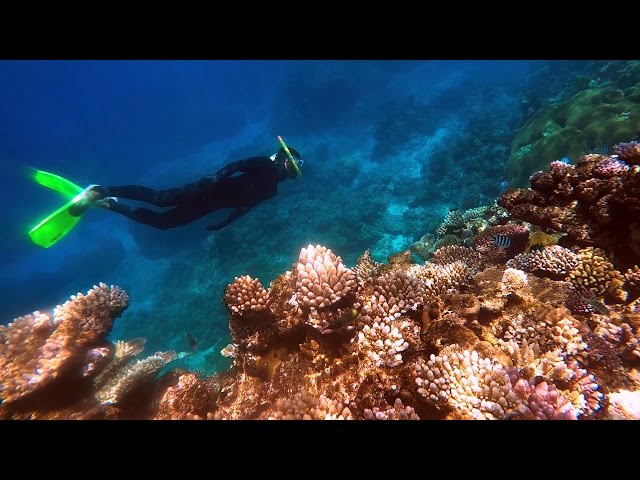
{"points": [[258, 182], [190, 202]]}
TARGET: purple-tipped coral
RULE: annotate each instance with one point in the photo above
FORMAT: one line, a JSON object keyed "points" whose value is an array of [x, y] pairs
{"points": [[629, 152]]}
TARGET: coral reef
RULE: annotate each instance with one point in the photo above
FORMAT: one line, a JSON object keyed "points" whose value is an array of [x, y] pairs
{"points": [[595, 202], [456, 338], [60, 365], [459, 228]]}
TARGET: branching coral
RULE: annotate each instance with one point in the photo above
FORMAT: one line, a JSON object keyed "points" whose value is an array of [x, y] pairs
{"points": [[246, 294], [366, 267], [629, 152], [124, 383], [596, 273], [396, 412], [188, 398], [553, 261], [305, 406], [321, 278], [453, 253], [480, 388]]}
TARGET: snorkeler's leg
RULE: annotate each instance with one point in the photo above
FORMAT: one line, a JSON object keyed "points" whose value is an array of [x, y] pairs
{"points": [[161, 198], [175, 217]]}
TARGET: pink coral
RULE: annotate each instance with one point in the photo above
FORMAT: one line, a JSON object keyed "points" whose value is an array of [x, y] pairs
{"points": [[321, 277]]}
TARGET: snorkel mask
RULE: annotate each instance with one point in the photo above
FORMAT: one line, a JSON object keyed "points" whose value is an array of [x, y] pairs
{"points": [[290, 163]]}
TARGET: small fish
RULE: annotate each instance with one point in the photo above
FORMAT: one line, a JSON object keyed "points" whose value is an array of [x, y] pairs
{"points": [[565, 160], [599, 306], [229, 351], [502, 241], [600, 150], [345, 319], [193, 341], [504, 184]]}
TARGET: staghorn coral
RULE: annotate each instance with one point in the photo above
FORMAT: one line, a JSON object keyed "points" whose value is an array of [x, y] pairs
{"points": [[453, 224], [124, 351]]}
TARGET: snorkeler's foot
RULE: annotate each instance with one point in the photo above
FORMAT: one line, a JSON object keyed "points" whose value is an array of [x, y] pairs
{"points": [[85, 199], [106, 202]]}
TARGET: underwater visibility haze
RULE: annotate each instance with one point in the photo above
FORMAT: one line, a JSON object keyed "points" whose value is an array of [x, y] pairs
{"points": [[320, 239]]}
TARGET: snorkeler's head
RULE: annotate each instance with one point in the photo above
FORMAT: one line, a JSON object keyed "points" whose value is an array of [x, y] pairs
{"points": [[282, 159]]}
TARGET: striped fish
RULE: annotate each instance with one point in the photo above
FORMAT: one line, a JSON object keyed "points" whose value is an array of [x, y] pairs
{"points": [[502, 241], [600, 150]]}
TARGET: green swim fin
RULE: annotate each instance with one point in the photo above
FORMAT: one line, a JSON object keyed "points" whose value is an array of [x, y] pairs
{"points": [[57, 183], [55, 226], [59, 223]]}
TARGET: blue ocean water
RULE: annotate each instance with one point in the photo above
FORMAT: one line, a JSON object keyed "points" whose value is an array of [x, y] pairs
{"points": [[389, 147]]}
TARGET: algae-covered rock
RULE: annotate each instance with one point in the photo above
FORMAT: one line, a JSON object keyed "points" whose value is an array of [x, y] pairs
{"points": [[599, 117]]}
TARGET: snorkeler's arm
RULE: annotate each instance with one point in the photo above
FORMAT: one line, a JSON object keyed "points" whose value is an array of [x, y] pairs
{"points": [[240, 166], [237, 213]]}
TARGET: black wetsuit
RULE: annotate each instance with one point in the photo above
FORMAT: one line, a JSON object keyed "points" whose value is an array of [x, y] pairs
{"points": [[257, 183]]}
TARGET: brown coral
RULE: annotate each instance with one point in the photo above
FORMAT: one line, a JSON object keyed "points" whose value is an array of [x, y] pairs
{"points": [[592, 202], [595, 272], [554, 262], [188, 397], [36, 349]]}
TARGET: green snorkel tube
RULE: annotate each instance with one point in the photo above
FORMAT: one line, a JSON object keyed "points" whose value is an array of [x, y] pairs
{"points": [[293, 161], [56, 225]]}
